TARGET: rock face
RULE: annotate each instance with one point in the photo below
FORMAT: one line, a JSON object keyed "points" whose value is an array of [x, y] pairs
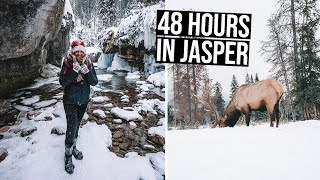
{"points": [[60, 44], [26, 28], [7, 112], [58, 47]]}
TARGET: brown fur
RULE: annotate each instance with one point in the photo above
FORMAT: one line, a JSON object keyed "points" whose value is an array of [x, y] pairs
{"points": [[259, 96]]}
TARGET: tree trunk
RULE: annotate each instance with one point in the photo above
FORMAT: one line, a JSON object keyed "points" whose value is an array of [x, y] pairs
{"points": [[174, 97], [295, 47], [280, 55], [315, 111], [195, 90], [189, 95], [294, 31], [308, 113]]}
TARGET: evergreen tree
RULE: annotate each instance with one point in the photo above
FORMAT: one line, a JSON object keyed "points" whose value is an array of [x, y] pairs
{"points": [[292, 48], [256, 78], [247, 79], [251, 79], [170, 114], [234, 85], [220, 103], [308, 66], [108, 12], [134, 4]]}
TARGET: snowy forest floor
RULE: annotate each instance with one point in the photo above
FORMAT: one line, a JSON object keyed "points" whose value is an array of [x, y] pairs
{"points": [[246, 153]]}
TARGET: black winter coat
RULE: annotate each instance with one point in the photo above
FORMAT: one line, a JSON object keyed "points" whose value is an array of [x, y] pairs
{"points": [[76, 92]]}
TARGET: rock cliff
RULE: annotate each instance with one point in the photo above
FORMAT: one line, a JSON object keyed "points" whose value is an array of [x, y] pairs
{"points": [[26, 29]]}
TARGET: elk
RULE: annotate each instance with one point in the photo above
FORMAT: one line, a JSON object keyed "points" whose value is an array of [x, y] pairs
{"points": [[259, 96]]}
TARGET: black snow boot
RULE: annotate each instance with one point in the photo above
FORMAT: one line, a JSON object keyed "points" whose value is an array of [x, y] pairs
{"points": [[77, 154], [68, 165]]}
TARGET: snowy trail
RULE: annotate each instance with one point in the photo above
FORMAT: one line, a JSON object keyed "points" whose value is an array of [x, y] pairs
{"points": [[246, 153], [44, 159]]}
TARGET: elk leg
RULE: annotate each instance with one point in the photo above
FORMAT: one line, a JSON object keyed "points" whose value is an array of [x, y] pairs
{"points": [[272, 116], [247, 115], [277, 112], [271, 112]]}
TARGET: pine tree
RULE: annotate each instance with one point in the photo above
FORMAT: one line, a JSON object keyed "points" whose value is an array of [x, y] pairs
{"points": [[108, 12], [308, 66], [292, 48], [256, 78], [247, 79], [251, 79], [234, 85], [134, 4], [220, 103]]}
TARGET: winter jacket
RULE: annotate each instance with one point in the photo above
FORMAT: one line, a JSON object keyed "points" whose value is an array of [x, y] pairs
{"points": [[76, 92]]}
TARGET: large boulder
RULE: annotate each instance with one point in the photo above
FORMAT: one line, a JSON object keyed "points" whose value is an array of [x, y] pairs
{"points": [[26, 28], [58, 47], [61, 43]]}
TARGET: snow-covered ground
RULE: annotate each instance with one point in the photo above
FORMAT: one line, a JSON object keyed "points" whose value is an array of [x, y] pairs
{"points": [[41, 156], [290, 152]]}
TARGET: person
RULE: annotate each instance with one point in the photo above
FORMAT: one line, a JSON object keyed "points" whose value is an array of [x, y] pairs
{"points": [[76, 76]]}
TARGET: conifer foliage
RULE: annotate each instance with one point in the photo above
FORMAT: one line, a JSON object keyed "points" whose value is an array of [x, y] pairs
{"points": [[234, 86], [292, 47]]}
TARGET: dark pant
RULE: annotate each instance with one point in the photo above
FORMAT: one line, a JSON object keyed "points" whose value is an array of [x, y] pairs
{"points": [[74, 114]]}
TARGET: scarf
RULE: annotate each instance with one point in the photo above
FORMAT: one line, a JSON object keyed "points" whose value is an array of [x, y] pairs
{"points": [[69, 60]]}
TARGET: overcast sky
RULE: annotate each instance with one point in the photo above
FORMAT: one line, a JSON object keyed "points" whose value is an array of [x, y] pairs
{"points": [[260, 11]]}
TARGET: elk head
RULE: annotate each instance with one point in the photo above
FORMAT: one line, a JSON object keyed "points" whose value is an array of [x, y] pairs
{"points": [[222, 121]]}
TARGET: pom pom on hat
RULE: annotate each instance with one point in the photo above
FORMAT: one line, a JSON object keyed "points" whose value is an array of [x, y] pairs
{"points": [[78, 46]]}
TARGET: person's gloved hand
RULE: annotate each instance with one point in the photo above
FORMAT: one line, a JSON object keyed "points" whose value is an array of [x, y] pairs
{"points": [[84, 69], [76, 67]]}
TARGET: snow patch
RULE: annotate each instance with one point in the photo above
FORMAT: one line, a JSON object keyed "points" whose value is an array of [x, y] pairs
{"points": [[150, 105], [158, 79], [100, 99], [159, 130], [133, 76], [40, 82], [22, 108], [109, 105], [44, 103], [126, 115], [254, 152], [99, 113], [158, 162], [31, 100], [104, 77]]}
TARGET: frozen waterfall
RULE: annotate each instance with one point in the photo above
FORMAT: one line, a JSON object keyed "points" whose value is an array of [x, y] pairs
{"points": [[105, 61], [151, 66]]}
